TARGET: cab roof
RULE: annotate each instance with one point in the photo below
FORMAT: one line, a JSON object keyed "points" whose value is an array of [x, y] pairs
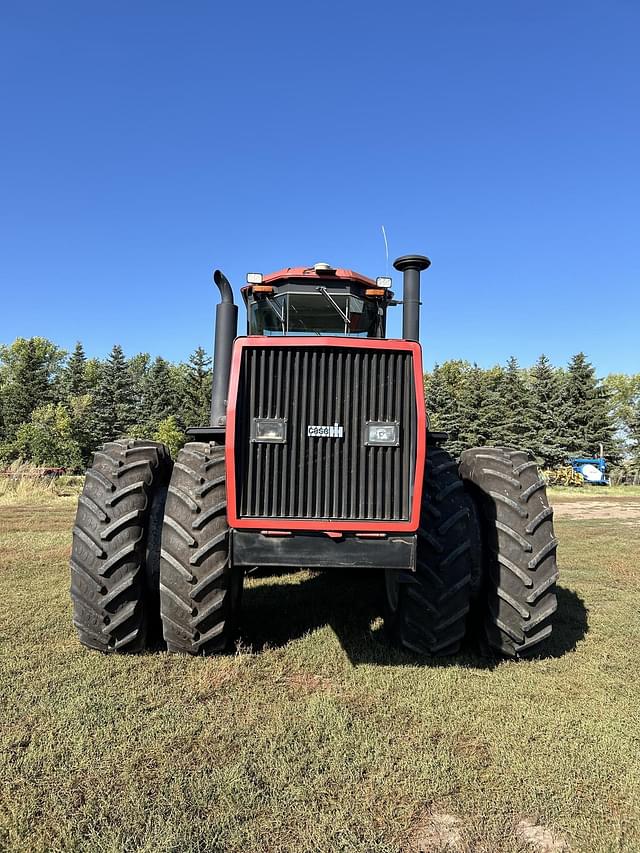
{"points": [[314, 275]]}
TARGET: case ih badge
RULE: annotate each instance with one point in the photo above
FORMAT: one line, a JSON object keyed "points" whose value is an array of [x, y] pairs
{"points": [[335, 431], [455, 544]]}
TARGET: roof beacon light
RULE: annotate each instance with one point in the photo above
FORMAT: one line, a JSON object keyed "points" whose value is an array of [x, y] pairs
{"points": [[254, 278], [383, 281], [322, 267]]}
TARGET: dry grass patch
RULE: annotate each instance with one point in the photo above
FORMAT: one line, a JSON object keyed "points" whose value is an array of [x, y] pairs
{"points": [[436, 832], [23, 483], [540, 839]]}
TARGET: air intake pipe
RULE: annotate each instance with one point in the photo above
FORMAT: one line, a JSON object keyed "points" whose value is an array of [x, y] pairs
{"points": [[226, 332], [411, 266]]}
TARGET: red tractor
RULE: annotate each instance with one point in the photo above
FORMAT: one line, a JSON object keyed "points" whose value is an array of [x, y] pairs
{"points": [[317, 455]]}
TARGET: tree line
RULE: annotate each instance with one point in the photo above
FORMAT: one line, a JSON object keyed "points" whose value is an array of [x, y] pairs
{"points": [[556, 412], [56, 408]]}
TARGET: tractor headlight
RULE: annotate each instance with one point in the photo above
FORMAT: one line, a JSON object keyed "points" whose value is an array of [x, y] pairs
{"points": [[272, 430], [382, 434]]}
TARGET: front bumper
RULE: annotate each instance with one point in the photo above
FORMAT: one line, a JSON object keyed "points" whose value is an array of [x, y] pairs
{"points": [[320, 551]]}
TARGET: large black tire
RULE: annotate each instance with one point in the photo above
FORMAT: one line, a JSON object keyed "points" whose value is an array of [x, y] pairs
{"points": [[426, 610], [200, 589], [520, 569], [115, 554]]}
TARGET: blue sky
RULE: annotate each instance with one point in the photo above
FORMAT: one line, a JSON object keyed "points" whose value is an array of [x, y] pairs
{"points": [[144, 144]]}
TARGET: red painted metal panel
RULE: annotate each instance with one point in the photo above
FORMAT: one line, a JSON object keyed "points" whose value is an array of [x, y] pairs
{"points": [[409, 526], [313, 276], [307, 275]]}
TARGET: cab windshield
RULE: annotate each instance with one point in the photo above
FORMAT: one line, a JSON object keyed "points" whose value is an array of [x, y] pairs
{"points": [[319, 312]]}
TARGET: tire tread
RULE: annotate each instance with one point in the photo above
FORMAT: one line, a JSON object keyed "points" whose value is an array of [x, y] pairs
{"points": [[433, 601], [520, 548], [198, 583], [108, 561]]}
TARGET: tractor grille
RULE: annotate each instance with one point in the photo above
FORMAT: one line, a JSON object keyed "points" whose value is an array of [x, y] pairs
{"points": [[325, 478]]}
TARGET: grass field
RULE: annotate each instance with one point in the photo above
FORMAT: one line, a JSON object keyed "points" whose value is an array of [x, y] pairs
{"points": [[591, 493], [316, 736]]}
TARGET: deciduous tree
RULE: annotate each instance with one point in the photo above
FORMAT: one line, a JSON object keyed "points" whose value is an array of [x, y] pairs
{"points": [[170, 433], [47, 439]]}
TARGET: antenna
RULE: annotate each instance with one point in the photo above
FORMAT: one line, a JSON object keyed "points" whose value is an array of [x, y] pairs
{"points": [[386, 249]]}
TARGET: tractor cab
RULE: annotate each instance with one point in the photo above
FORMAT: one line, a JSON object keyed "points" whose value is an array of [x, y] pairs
{"points": [[318, 300]]}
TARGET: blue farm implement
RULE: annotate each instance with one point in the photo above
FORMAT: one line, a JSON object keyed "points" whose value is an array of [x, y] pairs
{"points": [[593, 470]]}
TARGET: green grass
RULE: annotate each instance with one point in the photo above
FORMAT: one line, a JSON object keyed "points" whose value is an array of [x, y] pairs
{"points": [[594, 492], [316, 736]]}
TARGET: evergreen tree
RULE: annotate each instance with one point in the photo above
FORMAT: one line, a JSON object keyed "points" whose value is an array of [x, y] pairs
{"points": [[178, 374], [93, 373], [27, 380], [3, 432], [78, 401], [113, 404], [547, 403], [75, 377], [197, 390], [138, 369], [586, 411], [443, 388], [470, 403], [159, 397], [482, 408], [514, 427], [437, 400], [81, 412], [634, 434]]}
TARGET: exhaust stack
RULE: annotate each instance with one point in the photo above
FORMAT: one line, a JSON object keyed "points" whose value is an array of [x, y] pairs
{"points": [[411, 266], [226, 332]]}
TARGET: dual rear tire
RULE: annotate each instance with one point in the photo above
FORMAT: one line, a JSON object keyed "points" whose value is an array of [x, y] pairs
{"points": [[426, 610], [116, 546], [486, 555], [200, 588], [519, 548], [151, 549]]}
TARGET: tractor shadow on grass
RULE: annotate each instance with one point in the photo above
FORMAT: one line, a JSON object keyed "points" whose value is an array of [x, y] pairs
{"points": [[350, 602]]}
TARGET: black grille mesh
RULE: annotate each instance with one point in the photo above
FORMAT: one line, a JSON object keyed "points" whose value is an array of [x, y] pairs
{"points": [[321, 477]]}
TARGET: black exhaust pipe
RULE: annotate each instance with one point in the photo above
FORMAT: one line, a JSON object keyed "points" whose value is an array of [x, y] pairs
{"points": [[411, 266], [226, 332]]}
